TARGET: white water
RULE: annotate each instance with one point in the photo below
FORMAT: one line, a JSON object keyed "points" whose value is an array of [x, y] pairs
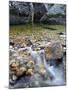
{"points": [[36, 56], [39, 57]]}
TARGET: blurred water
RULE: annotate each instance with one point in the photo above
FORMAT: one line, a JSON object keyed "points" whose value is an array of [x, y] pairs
{"points": [[55, 73]]}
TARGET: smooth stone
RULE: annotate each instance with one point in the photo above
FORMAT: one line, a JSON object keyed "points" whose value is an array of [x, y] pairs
{"points": [[20, 71], [14, 63], [30, 64], [10, 47], [42, 71], [53, 50], [29, 72], [14, 77]]}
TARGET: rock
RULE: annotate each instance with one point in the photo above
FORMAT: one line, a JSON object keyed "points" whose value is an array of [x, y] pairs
{"points": [[39, 11], [19, 12], [20, 71], [14, 63], [14, 20], [42, 71], [64, 49], [42, 44], [53, 50], [11, 82], [63, 36], [43, 18], [10, 47], [11, 51], [37, 84], [30, 64], [28, 41], [16, 54], [56, 9], [14, 66], [29, 72], [57, 20], [14, 77], [16, 48], [55, 14], [11, 43], [24, 62], [38, 79], [19, 58], [61, 33]]}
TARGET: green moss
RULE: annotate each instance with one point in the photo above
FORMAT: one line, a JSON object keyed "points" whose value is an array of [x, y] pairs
{"points": [[37, 31], [56, 15]]}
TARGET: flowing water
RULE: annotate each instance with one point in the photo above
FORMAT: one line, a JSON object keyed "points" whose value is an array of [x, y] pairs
{"points": [[55, 73]]}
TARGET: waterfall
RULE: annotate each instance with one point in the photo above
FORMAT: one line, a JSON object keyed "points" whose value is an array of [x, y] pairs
{"points": [[39, 57], [55, 73], [35, 56], [32, 12], [49, 69]]}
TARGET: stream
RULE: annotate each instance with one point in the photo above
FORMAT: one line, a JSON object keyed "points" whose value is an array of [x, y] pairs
{"points": [[55, 73]]}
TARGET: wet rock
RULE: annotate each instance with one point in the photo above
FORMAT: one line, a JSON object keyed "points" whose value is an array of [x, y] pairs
{"points": [[41, 44], [37, 79], [10, 47], [11, 43], [20, 71], [61, 33], [64, 49], [19, 58], [30, 72], [42, 71], [14, 63], [14, 77], [16, 54], [30, 64], [54, 50], [63, 36], [11, 82], [28, 41]]}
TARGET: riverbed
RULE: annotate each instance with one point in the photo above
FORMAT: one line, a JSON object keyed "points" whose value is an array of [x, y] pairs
{"points": [[29, 45]]}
